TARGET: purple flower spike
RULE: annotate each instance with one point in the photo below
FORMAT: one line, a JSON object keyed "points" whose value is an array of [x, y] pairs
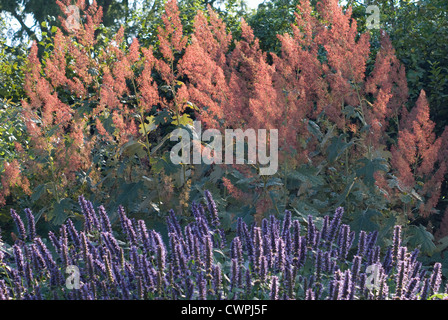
{"points": [[411, 289], [274, 288], [237, 250], [235, 274], [335, 223], [436, 277], [396, 242], [310, 232], [105, 222], [286, 224], [73, 233], [201, 287], [258, 249], [371, 240], [361, 243], [280, 259], [88, 219], [123, 218], [309, 295], [173, 224], [424, 293], [31, 225], [208, 256], [356, 267], [19, 224], [212, 208], [248, 283], [18, 255], [347, 285], [318, 263], [325, 226], [265, 226], [217, 279]]}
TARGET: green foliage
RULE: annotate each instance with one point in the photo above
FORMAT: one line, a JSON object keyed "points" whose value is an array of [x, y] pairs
{"points": [[420, 37], [11, 68], [270, 19]]}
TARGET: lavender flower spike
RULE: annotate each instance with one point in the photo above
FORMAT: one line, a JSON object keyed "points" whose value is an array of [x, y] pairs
{"points": [[19, 224], [31, 224], [212, 208]]}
